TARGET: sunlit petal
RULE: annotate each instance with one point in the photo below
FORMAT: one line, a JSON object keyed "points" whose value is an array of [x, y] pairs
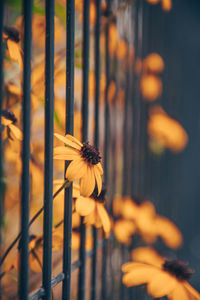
{"points": [[98, 179], [104, 217], [76, 170], [161, 285], [67, 141], [84, 206]]}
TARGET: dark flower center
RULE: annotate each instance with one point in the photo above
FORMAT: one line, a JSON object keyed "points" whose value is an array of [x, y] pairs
{"points": [[101, 197], [12, 33], [138, 200], [8, 114], [90, 154], [178, 269]]}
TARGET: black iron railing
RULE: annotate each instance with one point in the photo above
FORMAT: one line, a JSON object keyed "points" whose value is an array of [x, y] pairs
{"points": [[130, 165]]}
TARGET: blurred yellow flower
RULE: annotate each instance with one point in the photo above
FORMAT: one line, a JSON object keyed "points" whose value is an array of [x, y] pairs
{"points": [[167, 131], [151, 87], [85, 163], [154, 63], [167, 279], [9, 120], [93, 211]]}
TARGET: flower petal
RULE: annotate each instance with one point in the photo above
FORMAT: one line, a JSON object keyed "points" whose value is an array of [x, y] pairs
{"points": [[99, 166], [76, 169], [98, 179], [16, 131], [84, 206], [139, 276], [87, 184], [191, 290], [104, 217], [67, 141], [66, 153], [73, 139], [180, 293], [161, 285]]}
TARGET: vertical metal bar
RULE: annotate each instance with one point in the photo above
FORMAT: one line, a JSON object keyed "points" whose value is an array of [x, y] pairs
{"points": [[96, 134], [23, 272], [66, 289], [2, 185], [106, 143], [125, 136], [86, 47], [49, 119]]}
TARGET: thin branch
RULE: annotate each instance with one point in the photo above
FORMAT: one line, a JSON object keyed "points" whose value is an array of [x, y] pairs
{"points": [[65, 185]]}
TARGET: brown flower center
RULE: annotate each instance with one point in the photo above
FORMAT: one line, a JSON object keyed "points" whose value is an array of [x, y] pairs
{"points": [[8, 114], [178, 269], [101, 197], [12, 33], [90, 154]]}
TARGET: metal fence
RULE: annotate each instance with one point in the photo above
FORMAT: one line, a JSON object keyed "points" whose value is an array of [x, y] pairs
{"points": [[132, 146]]}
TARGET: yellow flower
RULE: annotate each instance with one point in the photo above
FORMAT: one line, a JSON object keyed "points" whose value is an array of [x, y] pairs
{"points": [[12, 37], [85, 163], [9, 120], [140, 217], [147, 255], [123, 230], [167, 131], [169, 278], [93, 211]]}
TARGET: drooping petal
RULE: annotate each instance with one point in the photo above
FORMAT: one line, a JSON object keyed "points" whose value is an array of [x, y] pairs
{"points": [[180, 293], [73, 139], [169, 232], [147, 255], [99, 166], [161, 285], [104, 217], [130, 266], [76, 169], [138, 276], [98, 179], [87, 184], [75, 190], [84, 205], [67, 142], [5, 121], [191, 290], [123, 230], [16, 131]]}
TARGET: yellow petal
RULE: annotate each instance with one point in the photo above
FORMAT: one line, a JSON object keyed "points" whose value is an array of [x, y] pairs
{"points": [[130, 266], [147, 255], [138, 276], [76, 170], [5, 121], [74, 140], [98, 179], [65, 151], [67, 142], [180, 293], [161, 285], [99, 166], [104, 217], [168, 231], [191, 290], [87, 183], [84, 206], [123, 230], [16, 131], [75, 190]]}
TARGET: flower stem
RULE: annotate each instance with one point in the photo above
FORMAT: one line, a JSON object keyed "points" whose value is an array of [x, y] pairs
{"points": [[65, 185]]}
